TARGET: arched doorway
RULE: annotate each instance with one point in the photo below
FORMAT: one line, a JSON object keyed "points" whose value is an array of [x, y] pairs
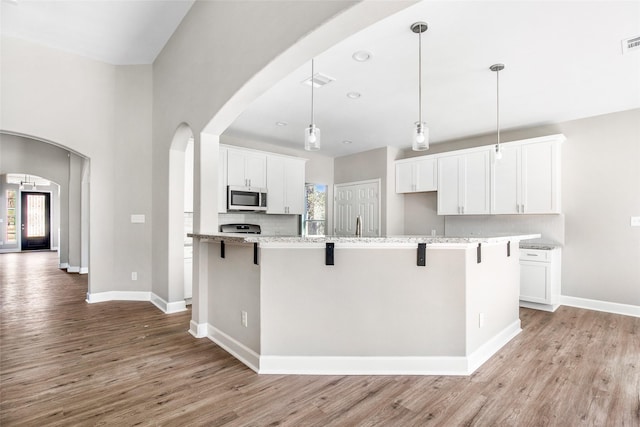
{"points": [[26, 162], [181, 163]]}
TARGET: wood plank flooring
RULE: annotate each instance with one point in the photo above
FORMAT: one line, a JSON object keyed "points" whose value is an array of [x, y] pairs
{"points": [[65, 362]]}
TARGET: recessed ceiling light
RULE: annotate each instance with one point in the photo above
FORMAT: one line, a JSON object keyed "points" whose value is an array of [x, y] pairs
{"points": [[346, 141], [361, 56], [281, 123], [353, 95]]}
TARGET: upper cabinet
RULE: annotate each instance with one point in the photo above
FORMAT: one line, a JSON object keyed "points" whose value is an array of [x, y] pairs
{"points": [[526, 180], [285, 185], [246, 168], [464, 183], [282, 176], [416, 174]]}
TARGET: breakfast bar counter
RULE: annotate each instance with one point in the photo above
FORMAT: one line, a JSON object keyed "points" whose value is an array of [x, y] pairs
{"points": [[417, 305]]}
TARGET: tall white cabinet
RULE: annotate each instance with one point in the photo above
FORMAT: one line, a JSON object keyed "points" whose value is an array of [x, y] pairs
{"points": [[285, 185], [464, 183]]}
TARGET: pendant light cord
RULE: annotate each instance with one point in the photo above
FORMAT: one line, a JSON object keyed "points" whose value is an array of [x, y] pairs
{"points": [[312, 121], [498, 105], [420, 79]]}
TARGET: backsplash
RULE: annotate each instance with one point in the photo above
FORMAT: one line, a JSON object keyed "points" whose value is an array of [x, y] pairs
{"points": [[271, 225], [551, 227]]}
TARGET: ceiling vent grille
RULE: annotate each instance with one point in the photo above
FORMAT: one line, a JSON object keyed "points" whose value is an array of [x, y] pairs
{"points": [[631, 44], [318, 80]]}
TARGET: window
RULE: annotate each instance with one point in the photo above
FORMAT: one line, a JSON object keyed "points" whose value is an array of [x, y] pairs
{"points": [[11, 236], [315, 215]]}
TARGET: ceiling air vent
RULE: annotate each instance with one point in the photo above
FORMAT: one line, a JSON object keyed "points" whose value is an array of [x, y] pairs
{"points": [[318, 80], [631, 44]]}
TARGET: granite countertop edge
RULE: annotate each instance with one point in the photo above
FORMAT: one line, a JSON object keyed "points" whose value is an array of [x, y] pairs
{"points": [[298, 240]]}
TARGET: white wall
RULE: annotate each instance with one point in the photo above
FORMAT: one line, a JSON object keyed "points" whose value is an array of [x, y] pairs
{"points": [[102, 112], [600, 192]]}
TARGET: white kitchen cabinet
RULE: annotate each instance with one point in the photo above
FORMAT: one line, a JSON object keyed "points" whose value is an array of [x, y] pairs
{"points": [[464, 183], [540, 275], [222, 180], [527, 178], [417, 174], [285, 185], [246, 168]]}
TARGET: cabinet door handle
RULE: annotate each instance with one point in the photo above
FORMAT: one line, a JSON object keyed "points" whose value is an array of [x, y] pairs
{"points": [[532, 254]]}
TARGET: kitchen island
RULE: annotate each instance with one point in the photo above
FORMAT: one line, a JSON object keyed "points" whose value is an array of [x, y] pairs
{"points": [[411, 305]]}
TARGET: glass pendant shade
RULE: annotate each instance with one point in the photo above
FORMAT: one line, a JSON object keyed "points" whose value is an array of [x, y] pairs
{"points": [[498, 152], [420, 137], [312, 138]]}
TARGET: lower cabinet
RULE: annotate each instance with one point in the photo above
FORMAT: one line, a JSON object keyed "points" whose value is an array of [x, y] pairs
{"points": [[540, 275]]}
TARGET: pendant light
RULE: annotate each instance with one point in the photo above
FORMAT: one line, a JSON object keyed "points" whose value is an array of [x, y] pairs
{"points": [[421, 131], [312, 133], [497, 68]]}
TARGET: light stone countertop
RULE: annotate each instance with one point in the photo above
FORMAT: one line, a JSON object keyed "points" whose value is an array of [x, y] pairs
{"points": [[352, 241]]}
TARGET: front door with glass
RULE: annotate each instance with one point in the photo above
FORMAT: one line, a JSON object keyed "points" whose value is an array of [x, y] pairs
{"points": [[36, 230]]}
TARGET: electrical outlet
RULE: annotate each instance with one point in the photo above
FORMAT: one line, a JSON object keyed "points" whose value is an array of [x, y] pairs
{"points": [[134, 275], [480, 320], [244, 318], [635, 221]]}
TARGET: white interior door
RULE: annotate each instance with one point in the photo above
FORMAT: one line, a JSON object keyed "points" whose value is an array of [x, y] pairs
{"points": [[353, 199]]}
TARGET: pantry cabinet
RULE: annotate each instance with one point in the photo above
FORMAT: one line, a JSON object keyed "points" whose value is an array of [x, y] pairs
{"points": [[417, 174], [285, 185], [464, 183]]}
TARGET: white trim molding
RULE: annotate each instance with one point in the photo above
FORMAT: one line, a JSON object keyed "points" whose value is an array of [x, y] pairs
{"points": [[63, 265], [356, 365], [84, 270], [167, 307], [73, 269], [597, 305], [118, 296], [198, 330], [238, 350]]}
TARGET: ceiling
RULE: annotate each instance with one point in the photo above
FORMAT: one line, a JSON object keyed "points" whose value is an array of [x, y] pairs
{"points": [[563, 61], [112, 31]]}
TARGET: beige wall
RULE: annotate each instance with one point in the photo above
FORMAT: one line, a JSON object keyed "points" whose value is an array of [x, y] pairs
{"points": [[600, 192], [103, 113]]}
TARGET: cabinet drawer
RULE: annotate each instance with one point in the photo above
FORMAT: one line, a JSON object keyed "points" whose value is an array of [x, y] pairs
{"points": [[535, 255]]}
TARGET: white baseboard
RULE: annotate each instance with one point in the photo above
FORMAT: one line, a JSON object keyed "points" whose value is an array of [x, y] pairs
{"points": [[73, 269], [63, 265], [167, 307], [118, 296], [198, 330], [609, 307], [491, 347], [389, 365], [238, 350], [84, 270], [539, 306]]}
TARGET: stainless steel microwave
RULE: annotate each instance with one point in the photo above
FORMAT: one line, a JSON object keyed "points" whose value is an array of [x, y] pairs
{"points": [[246, 199]]}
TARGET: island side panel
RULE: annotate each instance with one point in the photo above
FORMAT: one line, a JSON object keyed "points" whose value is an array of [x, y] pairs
{"points": [[372, 302], [493, 289], [234, 287]]}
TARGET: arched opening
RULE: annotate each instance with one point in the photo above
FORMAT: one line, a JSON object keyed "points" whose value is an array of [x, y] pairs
{"points": [[181, 162], [30, 165]]}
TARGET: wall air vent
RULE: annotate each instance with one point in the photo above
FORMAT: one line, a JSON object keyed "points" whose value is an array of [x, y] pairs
{"points": [[318, 80], [631, 44]]}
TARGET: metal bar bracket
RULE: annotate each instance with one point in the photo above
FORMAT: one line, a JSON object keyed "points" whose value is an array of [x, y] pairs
{"points": [[422, 255], [221, 248], [479, 253], [328, 254], [509, 248], [255, 253]]}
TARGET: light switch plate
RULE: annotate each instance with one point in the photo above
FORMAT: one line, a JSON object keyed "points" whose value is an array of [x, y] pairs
{"points": [[635, 221], [137, 219]]}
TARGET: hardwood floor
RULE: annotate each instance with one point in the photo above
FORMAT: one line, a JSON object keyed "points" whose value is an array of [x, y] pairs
{"points": [[66, 362]]}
